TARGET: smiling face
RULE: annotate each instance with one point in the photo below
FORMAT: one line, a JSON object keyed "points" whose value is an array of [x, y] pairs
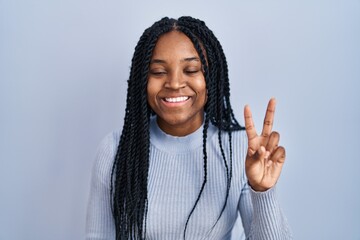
{"points": [[176, 85]]}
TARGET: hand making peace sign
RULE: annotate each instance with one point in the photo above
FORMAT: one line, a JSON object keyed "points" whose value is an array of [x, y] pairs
{"points": [[264, 159]]}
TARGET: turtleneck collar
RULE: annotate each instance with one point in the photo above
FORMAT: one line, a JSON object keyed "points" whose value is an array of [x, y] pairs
{"points": [[175, 144]]}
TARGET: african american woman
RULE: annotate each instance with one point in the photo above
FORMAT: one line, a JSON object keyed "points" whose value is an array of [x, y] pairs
{"points": [[182, 167]]}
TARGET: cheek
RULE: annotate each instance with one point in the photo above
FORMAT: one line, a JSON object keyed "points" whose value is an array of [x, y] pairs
{"points": [[200, 87], [152, 88]]}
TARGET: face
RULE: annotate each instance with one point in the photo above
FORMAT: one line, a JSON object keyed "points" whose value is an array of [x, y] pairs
{"points": [[176, 85]]}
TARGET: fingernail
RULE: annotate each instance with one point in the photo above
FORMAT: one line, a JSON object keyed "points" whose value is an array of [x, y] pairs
{"points": [[262, 149]]}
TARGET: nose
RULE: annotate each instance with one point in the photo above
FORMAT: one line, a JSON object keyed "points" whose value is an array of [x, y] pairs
{"points": [[175, 81]]}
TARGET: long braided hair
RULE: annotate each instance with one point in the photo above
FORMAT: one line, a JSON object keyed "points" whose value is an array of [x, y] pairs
{"points": [[128, 185]]}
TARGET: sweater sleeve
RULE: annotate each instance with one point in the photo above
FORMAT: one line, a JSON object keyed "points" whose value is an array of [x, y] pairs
{"points": [[99, 219], [260, 212], [261, 215]]}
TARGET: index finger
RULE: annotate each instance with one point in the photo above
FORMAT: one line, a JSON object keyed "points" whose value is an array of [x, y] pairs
{"points": [[269, 118], [249, 124]]}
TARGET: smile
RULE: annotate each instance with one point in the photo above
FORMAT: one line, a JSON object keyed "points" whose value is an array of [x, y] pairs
{"points": [[176, 99]]}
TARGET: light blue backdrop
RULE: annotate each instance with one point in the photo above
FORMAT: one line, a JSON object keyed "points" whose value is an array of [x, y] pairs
{"points": [[63, 71]]}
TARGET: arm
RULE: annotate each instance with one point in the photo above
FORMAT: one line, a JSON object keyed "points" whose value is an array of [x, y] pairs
{"points": [[259, 209], [261, 215], [99, 219]]}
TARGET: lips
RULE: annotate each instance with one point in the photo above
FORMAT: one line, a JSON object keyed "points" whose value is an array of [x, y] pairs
{"points": [[176, 99]]}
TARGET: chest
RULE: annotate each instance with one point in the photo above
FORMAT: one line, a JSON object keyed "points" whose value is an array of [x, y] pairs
{"points": [[174, 184]]}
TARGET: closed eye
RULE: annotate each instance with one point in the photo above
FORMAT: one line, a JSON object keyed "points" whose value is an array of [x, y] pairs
{"points": [[157, 73], [192, 71]]}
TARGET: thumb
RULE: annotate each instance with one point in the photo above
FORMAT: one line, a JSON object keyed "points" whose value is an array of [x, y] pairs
{"points": [[261, 154]]}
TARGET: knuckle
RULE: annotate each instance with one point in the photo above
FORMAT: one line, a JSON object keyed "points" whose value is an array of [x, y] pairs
{"points": [[265, 135], [251, 152], [268, 122], [249, 127], [252, 137]]}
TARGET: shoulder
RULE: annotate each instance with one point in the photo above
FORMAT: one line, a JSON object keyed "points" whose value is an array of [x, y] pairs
{"points": [[108, 144], [239, 142], [105, 156], [238, 137]]}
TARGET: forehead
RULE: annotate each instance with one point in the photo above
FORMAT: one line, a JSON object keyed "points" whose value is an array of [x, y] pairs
{"points": [[174, 43]]}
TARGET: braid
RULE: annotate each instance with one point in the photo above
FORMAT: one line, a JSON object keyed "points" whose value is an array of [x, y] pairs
{"points": [[206, 126], [218, 107], [129, 174]]}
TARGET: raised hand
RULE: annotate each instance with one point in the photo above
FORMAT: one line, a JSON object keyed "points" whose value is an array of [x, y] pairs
{"points": [[264, 159]]}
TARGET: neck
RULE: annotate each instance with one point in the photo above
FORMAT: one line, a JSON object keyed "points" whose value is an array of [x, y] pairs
{"points": [[180, 130]]}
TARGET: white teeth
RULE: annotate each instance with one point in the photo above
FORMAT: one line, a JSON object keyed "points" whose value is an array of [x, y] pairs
{"points": [[177, 99]]}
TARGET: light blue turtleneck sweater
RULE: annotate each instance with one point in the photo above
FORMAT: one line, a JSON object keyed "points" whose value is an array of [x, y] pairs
{"points": [[175, 177]]}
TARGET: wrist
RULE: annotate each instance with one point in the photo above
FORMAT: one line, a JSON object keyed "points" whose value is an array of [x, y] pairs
{"points": [[257, 187]]}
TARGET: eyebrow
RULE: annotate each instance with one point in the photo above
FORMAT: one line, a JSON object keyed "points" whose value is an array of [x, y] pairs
{"points": [[189, 59]]}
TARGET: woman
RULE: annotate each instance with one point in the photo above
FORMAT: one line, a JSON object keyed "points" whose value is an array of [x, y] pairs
{"points": [[182, 167]]}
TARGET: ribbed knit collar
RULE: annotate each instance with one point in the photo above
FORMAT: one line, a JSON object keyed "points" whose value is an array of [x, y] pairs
{"points": [[174, 144]]}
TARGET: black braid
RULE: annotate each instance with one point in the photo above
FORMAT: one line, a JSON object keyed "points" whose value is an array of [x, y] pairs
{"points": [[129, 176], [217, 80]]}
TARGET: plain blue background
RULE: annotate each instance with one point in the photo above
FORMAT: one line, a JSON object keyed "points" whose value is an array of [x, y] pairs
{"points": [[63, 72]]}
